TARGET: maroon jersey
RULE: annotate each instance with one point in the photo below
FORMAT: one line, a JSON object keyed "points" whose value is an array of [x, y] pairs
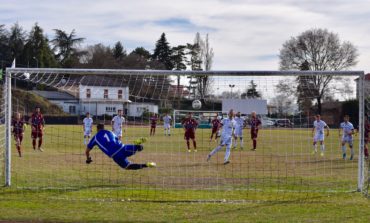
{"points": [[37, 121], [190, 124], [254, 123], [215, 123], [153, 121], [17, 126]]}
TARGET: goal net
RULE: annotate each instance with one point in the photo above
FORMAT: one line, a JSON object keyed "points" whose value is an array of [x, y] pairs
{"points": [[279, 162]]}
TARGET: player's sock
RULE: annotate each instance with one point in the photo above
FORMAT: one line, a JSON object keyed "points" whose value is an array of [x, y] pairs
{"points": [[19, 151], [344, 151], [315, 148], [352, 153], [84, 141], [241, 143], [215, 150], [322, 148], [254, 144], [195, 145], [40, 142], [236, 143], [34, 143], [366, 152], [227, 153], [169, 132], [188, 144]]}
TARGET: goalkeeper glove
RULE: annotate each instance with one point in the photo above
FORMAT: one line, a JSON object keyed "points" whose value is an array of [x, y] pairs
{"points": [[89, 160]]}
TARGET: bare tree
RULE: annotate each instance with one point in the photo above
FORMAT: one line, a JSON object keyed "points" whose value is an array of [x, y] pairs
{"points": [[317, 49]]}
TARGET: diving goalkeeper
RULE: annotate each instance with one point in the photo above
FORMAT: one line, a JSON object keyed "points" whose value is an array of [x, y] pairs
{"points": [[109, 144]]}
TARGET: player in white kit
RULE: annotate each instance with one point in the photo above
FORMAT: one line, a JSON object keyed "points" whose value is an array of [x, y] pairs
{"points": [[167, 124], [227, 125], [87, 127], [117, 123], [318, 134], [347, 131], [238, 131]]}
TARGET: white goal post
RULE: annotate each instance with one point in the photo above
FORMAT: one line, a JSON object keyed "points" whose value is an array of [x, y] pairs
{"points": [[59, 78]]}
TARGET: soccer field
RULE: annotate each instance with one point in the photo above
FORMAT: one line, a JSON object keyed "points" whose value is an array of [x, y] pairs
{"points": [[282, 171]]}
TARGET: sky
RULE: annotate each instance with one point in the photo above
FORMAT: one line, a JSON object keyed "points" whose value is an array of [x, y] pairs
{"points": [[244, 34]]}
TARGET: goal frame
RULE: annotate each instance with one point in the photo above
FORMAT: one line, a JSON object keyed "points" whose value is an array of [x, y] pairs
{"points": [[14, 71]]}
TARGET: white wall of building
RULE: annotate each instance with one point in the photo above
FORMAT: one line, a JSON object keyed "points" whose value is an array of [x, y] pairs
{"points": [[137, 109], [245, 106], [101, 108], [97, 92], [68, 106]]}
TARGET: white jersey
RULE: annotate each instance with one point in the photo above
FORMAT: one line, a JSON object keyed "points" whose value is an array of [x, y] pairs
{"points": [[239, 122], [227, 127], [88, 122], [319, 126], [117, 122], [167, 120], [347, 128]]}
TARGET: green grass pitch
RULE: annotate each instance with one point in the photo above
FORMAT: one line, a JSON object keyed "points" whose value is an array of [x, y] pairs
{"points": [[281, 181]]}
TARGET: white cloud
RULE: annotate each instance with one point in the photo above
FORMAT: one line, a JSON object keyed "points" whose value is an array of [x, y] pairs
{"points": [[244, 34]]}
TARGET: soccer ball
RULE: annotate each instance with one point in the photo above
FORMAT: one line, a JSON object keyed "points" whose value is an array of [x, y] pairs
{"points": [[196, 104], [26, 76]]}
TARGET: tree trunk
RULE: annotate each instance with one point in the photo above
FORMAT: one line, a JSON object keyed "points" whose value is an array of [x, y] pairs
{"points": [[318, 105]]}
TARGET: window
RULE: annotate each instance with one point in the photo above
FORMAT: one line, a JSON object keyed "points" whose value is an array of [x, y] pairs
{"points": [[105, 93], [119, 94], [88, 93], [110, 109], [72, 109]]}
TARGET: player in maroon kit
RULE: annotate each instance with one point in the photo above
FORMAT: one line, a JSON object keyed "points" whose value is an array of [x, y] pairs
{"points": [[153, 123], [216, 124], [37, 123], [190, 125], [366, 136], [18, 130], [255, 123]]}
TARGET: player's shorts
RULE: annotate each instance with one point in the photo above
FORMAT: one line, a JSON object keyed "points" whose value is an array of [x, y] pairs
{"points": [[121, 156], [36, 134], [189, 135], [87, 133], [347, 139], [254, 133], [214, 130], [153, 126], [167, 126], [18, 137], [318, 137], [238, 132], [118, 132], [225, 140]]}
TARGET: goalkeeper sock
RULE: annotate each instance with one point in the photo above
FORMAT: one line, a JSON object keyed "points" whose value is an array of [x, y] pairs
{"points": [[136, 166]]}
